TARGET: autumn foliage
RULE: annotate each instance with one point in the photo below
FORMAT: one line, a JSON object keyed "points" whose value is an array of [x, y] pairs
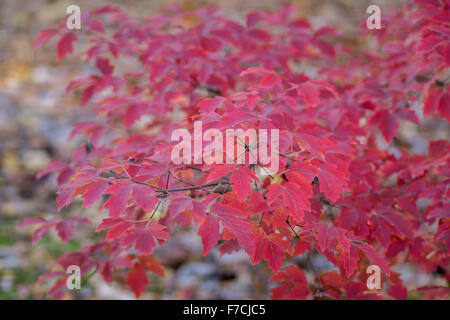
{"points": [[346, 188]]}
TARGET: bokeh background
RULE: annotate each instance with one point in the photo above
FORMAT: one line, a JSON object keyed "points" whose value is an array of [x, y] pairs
{"points": [[36, 117]]}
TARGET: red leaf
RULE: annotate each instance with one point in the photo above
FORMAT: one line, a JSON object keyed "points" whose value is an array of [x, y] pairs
{"points": [[107, 223], [65, 197], [87, 94], [241, 229], [180, 204], [407, 114], [54, 166], [241, 179], [31, 220], [119, 198], [294, 198], [210, 104], [144, 198], [374, 257], [137, 279], [309, 93], [301, 247], [254, 70], [269, 80], [44, 37], [430, 101], [96, 26], [326, 86], [398, 292], [153, 265], [326, 237], [94, 192], [219, 171], [443, 106], [295, 284], [40, 232], [65, 229], [387, 123], [65, 44], [133, 114], [210, 233], [253, 18], [118, 229], [332, 181], [144, 237], [274, 248], [104, 66]]}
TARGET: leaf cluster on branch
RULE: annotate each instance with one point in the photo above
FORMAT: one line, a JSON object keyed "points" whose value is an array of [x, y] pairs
{"points": [[338, 191]]}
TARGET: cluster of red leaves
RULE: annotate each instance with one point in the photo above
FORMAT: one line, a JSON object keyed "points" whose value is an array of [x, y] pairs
{"points": [[337, 192]]}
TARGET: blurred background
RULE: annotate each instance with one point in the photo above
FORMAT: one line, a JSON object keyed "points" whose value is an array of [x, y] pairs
{"points": [[36, 117]]}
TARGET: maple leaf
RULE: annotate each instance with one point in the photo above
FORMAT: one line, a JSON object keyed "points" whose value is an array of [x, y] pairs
{"points": [[94, 192], [117, 227], [317, 146], [137, 279], [119, 198], [43, 37], [309, 93], [133, 114], [374, 257], [54, 166], [210, 104], [332, 181], [180, 204], [272, 248], [254, 70], [209, 231], [219, 172], [152, 264], [65, 229], [269, 80], [31, 220], [293, 197], [387, 123], [45, 226], [241, 179], [104, 66], [398, 292], [295, 285], [357, 291], [240, 228], [144, 198], [64, 44], [144, 237], [325, 86], [326, 237]]}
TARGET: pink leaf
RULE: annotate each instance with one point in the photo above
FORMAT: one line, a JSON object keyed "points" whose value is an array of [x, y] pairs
{"points": [[209, 231], [44, 36], [65, 44], [144, 198], [119, 198], [31, 220], [94, 192], [65, 229], [241, 179]]}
